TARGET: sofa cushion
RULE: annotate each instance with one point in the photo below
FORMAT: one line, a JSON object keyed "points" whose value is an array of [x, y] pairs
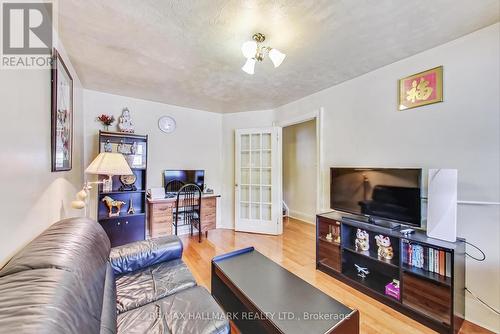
{"points": [[142, 254], [147, 319], [191, 311], [108, 314], [147, 285], [46, 301]]}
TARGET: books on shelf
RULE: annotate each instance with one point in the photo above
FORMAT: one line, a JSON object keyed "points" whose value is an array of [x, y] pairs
{"points": [[427, 258]]}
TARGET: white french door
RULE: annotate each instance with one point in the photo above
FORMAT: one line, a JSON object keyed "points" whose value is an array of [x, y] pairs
{"points": [[258, 181]]}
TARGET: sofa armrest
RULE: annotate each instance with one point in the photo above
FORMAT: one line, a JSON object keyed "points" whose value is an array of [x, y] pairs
{"points": [[142, 254]]}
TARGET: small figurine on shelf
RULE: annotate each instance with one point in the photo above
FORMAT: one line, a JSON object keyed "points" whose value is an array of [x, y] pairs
{"points": [[122, 148], [111, 203], [131, 209], [337, 233], [385, 250], [106, 121], [125, 123], [108, 147], [362, 240], [362, 271], [329, 236], [133, 148]]}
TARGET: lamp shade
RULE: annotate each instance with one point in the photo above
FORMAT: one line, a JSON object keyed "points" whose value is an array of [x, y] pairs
{"points": [[277, 57], [249, 49], [109, 164], [249, 66]]}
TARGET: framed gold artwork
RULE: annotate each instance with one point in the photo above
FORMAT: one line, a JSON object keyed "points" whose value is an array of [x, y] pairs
{"points": [[421, 89]]}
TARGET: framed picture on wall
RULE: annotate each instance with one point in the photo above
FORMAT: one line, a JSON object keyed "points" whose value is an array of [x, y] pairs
{"points": [[61, 115], [421, 89]]}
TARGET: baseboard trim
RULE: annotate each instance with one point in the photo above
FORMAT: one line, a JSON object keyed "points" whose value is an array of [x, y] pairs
{"points": [[306, 218]]}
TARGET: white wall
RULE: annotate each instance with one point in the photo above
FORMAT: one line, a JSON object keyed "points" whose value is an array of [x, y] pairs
{"points": [[32, 198], [362, 127], [299, 170], [196, 143]]}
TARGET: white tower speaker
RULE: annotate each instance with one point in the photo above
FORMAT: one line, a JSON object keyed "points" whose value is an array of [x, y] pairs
{"points": [[442, 204]]}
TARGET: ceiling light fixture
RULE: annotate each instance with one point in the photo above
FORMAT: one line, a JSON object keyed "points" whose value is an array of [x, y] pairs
{"points": [[254, 51]]}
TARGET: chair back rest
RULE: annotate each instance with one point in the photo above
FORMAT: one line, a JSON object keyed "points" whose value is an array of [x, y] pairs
{"points": [[173, 186], [188, 202]]}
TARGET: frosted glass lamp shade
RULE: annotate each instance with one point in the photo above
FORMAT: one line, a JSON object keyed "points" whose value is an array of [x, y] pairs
{"points": [[249, 66], [249, 49], [277, 57], [109, 164]]}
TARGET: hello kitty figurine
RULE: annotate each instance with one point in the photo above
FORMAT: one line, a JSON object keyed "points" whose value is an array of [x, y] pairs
{"points": [[385, 250], [362, 240]]}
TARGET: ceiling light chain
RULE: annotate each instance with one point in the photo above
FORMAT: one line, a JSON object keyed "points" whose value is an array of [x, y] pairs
{"points": [[254, 51]]}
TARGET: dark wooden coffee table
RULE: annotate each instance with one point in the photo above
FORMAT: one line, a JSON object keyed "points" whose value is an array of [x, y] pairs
{"points": [[262, 297]]}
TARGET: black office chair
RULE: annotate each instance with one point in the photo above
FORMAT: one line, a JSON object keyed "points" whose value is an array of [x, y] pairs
{"points": [[188, 208], [173, 186]]}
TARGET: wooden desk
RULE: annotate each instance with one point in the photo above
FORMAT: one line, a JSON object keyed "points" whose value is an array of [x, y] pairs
{"points": [[160, 215]]}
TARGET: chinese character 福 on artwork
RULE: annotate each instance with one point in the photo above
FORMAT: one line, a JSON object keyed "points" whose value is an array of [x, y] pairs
{"points": [[421, 89]]}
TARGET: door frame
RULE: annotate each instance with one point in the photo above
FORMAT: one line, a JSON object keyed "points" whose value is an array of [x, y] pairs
{"points": [[321, 174]]}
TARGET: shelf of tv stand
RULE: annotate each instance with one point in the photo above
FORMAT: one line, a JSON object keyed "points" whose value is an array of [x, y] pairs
{"points": [[122, 216], [376, 282], [444, 280], [329, 241], [372, 255], [115, 192]]}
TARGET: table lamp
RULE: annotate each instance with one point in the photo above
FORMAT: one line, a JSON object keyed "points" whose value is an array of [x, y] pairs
{"points": [[105, 163]]}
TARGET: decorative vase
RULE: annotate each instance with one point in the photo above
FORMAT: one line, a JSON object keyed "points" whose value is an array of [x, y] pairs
{"points": [[106, 127]]}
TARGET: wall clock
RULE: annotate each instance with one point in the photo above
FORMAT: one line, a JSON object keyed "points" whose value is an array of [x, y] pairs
{"points": [[167, 124]]}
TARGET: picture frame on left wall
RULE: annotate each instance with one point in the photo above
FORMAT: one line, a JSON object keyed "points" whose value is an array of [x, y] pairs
{"points": [[61, 115]]}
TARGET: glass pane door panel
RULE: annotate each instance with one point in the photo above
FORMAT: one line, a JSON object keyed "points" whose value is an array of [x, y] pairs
{"points": [[245, 159], [255, 194], [255, 179], [255, 211], [245, 194], [256, 142], [245, 210], [266, 141], [266, 195], [245, 176], [266, 158], [266, 212], [258, 180], [266, 177], [245, 142], [255, 158]]}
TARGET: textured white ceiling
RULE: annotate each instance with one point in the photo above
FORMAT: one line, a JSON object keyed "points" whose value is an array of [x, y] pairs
{"points": [[187, 52]]}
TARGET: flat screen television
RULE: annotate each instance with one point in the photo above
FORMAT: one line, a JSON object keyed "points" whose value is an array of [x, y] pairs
{"points": [[378, 193], [173, 179]]}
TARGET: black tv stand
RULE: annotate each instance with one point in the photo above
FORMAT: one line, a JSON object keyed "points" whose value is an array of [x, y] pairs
{"points": [[433, 296]]}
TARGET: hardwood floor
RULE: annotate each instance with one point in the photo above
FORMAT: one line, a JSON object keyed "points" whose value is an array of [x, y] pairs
{"points": [[295, 251]]}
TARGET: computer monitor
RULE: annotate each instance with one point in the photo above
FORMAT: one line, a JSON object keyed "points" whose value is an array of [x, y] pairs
{"points": [[174, 179]]}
